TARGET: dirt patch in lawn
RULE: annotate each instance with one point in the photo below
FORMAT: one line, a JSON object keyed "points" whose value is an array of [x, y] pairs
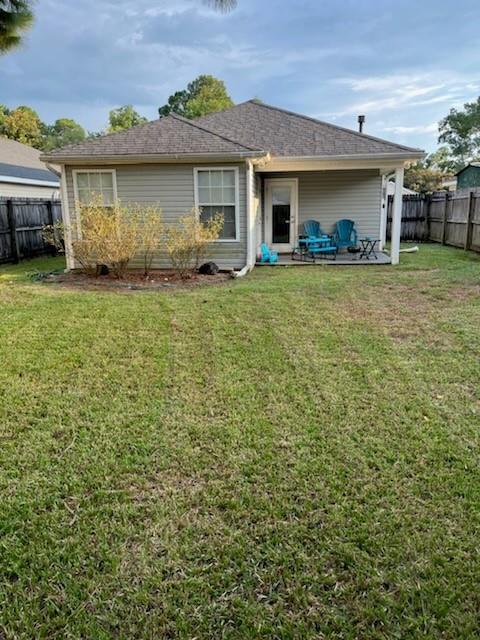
{"points": [[158, 280], [401, 312]]}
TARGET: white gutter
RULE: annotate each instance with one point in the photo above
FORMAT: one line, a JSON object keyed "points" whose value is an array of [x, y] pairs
{"points": [[150, 158], [402, 155], [30, 181]]}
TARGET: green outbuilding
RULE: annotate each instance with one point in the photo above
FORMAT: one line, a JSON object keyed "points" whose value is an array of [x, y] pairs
{"points": [[469, 176]]}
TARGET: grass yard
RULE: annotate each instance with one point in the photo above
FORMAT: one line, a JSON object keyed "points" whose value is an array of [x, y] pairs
{"points": [[290, 455]]}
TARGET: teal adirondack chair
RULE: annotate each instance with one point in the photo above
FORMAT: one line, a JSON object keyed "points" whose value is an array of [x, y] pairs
{"points": [[312, 229], [345, 234], [268, 256]]}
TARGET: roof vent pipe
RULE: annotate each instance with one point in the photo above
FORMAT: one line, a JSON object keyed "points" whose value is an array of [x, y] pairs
{"points": [[361, 121]]}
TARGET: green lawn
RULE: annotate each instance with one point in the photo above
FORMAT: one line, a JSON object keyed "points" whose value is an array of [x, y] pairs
{"points": [[291, 455]]}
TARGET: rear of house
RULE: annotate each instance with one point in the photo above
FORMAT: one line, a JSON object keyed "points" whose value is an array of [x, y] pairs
{"points": [[265, 169]]}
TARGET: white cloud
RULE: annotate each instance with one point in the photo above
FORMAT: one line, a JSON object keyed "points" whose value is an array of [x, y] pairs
{"points": [[421, 128], [399, 91]]}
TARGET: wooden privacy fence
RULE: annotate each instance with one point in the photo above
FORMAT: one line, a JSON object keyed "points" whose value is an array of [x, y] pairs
{"points": [[21, 224], [451, 218]]}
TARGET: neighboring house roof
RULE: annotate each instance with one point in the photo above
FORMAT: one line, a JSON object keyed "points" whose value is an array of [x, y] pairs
{"points": [[26, 174], [248, 129], [21, 163], [470, 164]]}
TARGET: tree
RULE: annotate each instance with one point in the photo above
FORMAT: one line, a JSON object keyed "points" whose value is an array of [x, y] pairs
{"points": [[15, 17], [460, 130], [4, 112], [442, 159], [203, 95], [124, 118], [423, 179], [64, 131], [23, 125]]}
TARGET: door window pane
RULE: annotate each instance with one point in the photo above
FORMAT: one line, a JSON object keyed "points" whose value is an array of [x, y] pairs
{"points": [[281, 195], [281, 223], [281, 210]]}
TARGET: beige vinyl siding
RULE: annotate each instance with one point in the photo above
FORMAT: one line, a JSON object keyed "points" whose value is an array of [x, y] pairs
{"points": [[328, 196], [12, 190], [171, 187]]}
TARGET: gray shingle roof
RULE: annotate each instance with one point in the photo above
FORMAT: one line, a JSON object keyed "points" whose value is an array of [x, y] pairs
{"points": [[250, 128], [27, 173], [284, 133], [166, 136]]}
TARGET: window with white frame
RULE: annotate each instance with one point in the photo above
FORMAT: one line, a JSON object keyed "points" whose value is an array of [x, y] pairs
{"points": [[217, 193], [92, 184]]}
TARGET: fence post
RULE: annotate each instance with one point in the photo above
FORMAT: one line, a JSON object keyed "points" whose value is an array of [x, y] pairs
{"points": [[12, 224], [428, 221], [471, 210], [51, 222], [444, 221]]}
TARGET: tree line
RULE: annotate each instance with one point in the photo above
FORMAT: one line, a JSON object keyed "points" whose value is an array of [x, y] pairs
{"points": [[203, 95], [459, 138]]}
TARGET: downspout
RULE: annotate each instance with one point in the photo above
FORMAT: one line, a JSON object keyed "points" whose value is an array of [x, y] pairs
{"points": [[250, 224]]}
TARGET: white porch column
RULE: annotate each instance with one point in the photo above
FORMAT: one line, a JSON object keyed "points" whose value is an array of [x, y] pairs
{"points": [[397, 216], [383, 213], [251, 249]]}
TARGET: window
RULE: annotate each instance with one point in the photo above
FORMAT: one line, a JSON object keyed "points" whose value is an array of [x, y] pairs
{"points": [[90, 184], [216, 191]]}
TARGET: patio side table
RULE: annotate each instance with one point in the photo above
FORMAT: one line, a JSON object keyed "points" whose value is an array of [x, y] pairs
{"points": [[368, 248]]}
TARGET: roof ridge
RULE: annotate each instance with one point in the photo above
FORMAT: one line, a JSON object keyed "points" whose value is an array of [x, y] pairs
{"points": [[215, 133], [327, 124]]}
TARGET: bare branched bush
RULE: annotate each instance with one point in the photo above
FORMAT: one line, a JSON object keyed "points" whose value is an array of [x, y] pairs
{"points": [[187, 242], [110, 236], [54, 235], [150, 234]]}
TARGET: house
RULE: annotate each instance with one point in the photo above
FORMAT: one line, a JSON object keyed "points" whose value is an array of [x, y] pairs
{"points": [[23, 174], [469, 176], [266, 169]]}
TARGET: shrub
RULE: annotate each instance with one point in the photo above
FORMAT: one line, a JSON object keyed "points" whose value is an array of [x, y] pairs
{"points": [[54, 235], [187, 242], [150, 234], [114, 235]]}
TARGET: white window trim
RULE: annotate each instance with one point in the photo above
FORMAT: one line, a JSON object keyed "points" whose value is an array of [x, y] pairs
{"points": [[75, 173], [237, 197]]}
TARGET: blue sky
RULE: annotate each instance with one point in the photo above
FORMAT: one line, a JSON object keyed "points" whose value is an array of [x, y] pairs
{"points": [[403, 63]]}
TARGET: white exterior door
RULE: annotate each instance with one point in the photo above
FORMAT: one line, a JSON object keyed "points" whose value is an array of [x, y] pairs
{"points": [[281, 212]]}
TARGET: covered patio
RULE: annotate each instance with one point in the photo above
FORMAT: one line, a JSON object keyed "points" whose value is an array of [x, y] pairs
{"points": [[289, 195]]}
